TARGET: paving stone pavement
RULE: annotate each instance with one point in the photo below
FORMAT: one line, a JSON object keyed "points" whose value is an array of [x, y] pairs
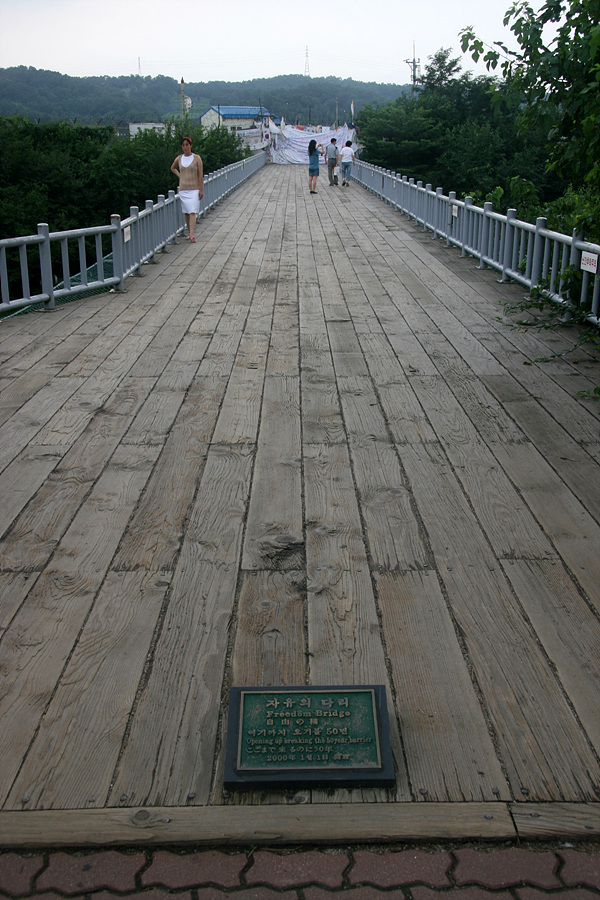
{"points": [[570, 872]]}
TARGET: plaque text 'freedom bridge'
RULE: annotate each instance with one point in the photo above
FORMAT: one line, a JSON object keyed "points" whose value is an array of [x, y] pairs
{"points": [[285, 736]]}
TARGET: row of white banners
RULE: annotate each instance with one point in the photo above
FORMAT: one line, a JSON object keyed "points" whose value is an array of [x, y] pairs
{"points": [[290, 145]]}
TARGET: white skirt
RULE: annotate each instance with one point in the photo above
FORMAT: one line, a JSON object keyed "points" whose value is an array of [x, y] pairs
{"points": [[190, 202]]}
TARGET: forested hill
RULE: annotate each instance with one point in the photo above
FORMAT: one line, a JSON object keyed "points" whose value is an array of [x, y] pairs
{"points": [[40, 95]]}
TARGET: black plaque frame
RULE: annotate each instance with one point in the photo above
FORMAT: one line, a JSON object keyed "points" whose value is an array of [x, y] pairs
{"points": [[318, 775]]}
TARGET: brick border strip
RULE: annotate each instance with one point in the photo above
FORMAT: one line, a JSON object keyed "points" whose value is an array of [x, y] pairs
{"points": [[524, 874]]}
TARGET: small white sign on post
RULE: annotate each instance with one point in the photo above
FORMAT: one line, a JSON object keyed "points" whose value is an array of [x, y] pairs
{"points": [[455, 210], [589, 262], [127, 233]]}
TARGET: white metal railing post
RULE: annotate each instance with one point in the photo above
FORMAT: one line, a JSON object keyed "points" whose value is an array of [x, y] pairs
{"points": [[46, 265], [411, 209], [438, 225], [465, 226], [574, 261], [404, 195], [509, 233], [172, 217], [149, 232], [450, 216], [419, 202], [160, 230], [485, 234], [117, 251], [427, 205], [538, 251]]}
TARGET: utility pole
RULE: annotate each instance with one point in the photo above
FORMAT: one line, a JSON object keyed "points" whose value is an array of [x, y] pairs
{"points": [[414, 68]]}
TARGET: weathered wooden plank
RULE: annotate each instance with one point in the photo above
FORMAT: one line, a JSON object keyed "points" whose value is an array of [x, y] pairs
{"points": [[268, 825], [555, 820], [506, 520], [16, 391], [43, 521], [566, 521], [448, 748], [14, 587], [41, 334], [489, 416], [20, 481], [29, 420], [541, 744], [274, 538], [153, 538], [571, 455], [406, 418], [39, 640], [568, 630], [72, 758], [170, 748], [385, 501], [345, 348], [240, 411], [321, 415], [344, 638], [284, 348], [269, 645]]}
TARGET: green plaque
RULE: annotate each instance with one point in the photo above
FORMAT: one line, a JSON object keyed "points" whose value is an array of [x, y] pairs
{"points": [[308, 735]]}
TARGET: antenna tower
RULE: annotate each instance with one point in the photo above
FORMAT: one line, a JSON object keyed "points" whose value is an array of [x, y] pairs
{"points": [[415, 67], [306, 66], [139, 65]]}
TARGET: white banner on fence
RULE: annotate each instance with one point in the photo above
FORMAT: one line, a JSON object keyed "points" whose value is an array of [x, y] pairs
{"points": [[290, 145]]}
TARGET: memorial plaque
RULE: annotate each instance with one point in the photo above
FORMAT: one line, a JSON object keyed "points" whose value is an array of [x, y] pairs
{"points": [[319, 736]]}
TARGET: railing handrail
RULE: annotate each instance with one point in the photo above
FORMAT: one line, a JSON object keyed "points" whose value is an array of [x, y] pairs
{"points": [[531, 254], [134, 241]]}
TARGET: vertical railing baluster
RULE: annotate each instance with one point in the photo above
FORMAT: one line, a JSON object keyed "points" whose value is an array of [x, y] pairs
{"points": [[46, 265]]}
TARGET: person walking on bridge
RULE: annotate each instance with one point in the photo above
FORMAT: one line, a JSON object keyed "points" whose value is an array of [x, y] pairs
{"points": [[189, 170], [347, 161], [331, 155], [313, 166]]}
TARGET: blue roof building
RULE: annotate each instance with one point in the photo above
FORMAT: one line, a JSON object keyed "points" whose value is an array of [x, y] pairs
{"points": [[235, 117]]}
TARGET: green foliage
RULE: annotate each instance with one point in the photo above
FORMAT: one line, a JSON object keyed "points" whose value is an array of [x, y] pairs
{"points": [[74, 176], [576, 210], [457, 132], [48, 96], [554, 79]]}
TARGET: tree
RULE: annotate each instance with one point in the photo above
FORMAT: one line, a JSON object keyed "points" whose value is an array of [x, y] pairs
{"points": [[456, 132], [554, 79]]}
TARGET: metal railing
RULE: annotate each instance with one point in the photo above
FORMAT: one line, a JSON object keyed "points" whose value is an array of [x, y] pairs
{"points": [[531, 255], [105, 254]]}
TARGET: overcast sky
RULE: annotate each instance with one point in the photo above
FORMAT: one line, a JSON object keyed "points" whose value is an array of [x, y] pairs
{"points": [[237, 40]]}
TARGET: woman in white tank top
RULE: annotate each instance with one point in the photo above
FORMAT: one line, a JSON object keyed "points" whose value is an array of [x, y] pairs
{"points": [[189, 170]]}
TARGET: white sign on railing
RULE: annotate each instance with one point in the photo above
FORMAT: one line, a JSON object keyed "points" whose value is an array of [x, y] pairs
{"points": [[127, 233], [589, 262]]}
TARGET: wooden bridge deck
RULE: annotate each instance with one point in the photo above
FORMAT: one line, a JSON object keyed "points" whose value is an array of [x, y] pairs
{"points": [[305, 449]]}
